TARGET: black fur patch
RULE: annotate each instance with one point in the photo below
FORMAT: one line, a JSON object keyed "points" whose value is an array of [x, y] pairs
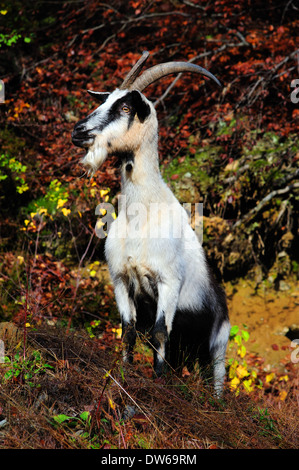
{"points": [[125, 158], [128, 333], [129, 167], [142, 108], [135, 102], [189, 339], [129, 338]]}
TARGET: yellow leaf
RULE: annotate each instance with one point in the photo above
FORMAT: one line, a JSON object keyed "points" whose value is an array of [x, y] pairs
{"points": [[80, 214], [118, 332], [61, 203], [234, 383], [103, 211], [3, 12], [242, 351], [92, 273], [248, 385], [103, 192], [284, 377], [242, 372], [21, 259], [111, 403], [113, 215], [43, 210], [283, 395], [107, 374], [26, 222], [232, 369], [99, 223], [65, 211], [270, 377]]}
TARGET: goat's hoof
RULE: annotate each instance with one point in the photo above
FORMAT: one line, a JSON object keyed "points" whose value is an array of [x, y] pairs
{"points": [[160, 336], [129, 412]]}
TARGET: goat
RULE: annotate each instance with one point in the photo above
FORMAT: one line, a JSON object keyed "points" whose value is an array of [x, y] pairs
{"points": [[162, 284]]}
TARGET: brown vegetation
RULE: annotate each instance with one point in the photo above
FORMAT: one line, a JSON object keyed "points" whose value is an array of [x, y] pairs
{"points": [[236, 151]]}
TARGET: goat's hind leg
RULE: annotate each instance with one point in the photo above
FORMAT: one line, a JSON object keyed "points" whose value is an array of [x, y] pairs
{"points": [[159, 340], [166, 308], [218, 350], [129, 338]]}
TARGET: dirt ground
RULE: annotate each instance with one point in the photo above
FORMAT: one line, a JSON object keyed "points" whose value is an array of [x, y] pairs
{"points": [[269, 316]]}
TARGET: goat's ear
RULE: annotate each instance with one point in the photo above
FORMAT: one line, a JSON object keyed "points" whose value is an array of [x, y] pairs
{"points": [[141, 106], [100, 96]]}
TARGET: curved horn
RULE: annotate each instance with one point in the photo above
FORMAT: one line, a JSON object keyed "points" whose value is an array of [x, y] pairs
{"points": [[134, 72], [161, 70]]}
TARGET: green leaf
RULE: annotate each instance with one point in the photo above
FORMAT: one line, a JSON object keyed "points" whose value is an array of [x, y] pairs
{"points": [[61, 418], [8, 375], [85, 416], [234, 330], [238, 339], [245, 335]]}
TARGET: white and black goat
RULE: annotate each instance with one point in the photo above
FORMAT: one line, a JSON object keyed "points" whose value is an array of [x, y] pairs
{"points": [[162, 282]]}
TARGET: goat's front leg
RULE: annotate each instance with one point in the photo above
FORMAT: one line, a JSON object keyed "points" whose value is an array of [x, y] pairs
{"points": [[127, 312], [166, 308]]}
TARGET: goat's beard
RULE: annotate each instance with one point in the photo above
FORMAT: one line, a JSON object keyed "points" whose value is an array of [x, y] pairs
{"points": [[95, 157]]}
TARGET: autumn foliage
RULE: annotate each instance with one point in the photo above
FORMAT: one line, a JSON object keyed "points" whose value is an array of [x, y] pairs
{"points": [[233, 149]]}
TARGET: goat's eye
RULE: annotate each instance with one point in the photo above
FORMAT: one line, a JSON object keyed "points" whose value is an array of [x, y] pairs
{"points": [[126, 109]]}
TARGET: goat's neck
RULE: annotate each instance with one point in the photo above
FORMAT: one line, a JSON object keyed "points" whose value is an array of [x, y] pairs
{"points": [[141, 177]]}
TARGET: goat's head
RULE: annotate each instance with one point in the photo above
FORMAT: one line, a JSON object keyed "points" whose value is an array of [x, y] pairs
{"points": [[117, 125]]}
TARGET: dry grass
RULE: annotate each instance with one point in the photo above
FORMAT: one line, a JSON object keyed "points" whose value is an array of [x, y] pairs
{"points": [[128, 409]]}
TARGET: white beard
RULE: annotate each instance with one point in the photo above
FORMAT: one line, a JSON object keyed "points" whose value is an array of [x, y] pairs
{"points": [[95, 157]]}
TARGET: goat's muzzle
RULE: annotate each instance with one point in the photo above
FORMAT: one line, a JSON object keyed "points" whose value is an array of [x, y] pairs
{"points": [[81, 137]]}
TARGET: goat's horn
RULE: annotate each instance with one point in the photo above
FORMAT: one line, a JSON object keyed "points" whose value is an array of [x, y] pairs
{"points": [[161, 70], [134, 72]]}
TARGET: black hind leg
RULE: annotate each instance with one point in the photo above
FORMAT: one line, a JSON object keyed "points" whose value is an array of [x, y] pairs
{"points": [[129, 339], [159, 341]]}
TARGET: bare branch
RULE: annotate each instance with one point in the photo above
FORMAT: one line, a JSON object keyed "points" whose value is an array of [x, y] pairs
{"points": [[253, 212]]}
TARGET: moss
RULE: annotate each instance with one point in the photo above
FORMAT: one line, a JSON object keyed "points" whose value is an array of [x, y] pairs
{"points": [[195, 173]]}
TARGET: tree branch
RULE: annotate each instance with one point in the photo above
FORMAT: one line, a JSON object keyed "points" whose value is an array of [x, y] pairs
{"points": [[253, 212]]}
